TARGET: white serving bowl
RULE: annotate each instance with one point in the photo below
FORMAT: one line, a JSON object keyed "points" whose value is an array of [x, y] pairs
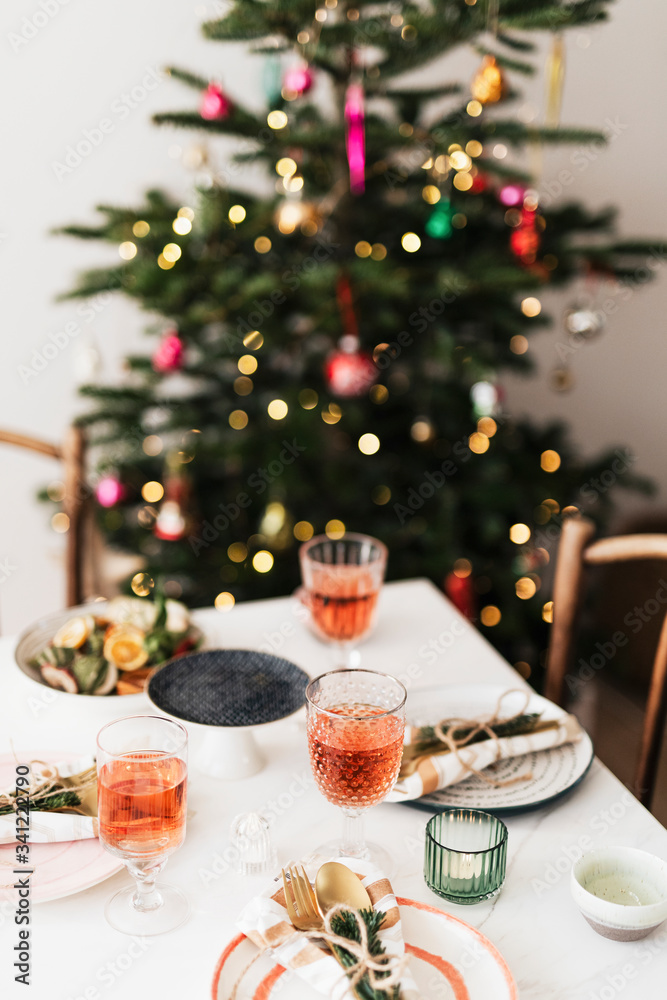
{"points": [[38, 636], [621, 891]]}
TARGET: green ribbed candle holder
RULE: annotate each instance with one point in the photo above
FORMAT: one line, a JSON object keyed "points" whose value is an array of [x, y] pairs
{"points": [[465, 855]]}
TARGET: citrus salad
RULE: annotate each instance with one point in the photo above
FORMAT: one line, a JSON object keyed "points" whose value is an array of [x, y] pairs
{"points": [[115, 651]]}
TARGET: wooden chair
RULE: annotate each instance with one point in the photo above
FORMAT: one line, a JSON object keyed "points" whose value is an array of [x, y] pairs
{"points": [[72, 455], [577, 551]]}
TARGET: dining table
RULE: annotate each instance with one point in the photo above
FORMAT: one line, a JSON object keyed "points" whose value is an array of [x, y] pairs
{"points": [[421, 639]]}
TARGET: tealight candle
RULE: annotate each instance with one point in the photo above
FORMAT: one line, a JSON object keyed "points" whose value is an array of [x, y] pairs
{"points": [[465, 855]]}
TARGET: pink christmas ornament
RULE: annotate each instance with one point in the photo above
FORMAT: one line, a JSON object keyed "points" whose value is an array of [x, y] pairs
{"points": [[355, 137], [511, 194], [214, 105], [169, 355], [298, 79], [109, 491]]}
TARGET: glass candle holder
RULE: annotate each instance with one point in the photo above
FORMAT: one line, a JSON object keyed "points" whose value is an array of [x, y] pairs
{"points": [[465, 855]]}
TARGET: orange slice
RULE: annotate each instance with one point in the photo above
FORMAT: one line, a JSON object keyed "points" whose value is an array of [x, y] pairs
{"points": [[74, 633], [124, 647]]}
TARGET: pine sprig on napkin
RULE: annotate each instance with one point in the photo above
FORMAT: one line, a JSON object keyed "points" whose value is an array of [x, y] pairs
{"points": [[345, 925], [514, 727], [427, 743], [51, 803]]}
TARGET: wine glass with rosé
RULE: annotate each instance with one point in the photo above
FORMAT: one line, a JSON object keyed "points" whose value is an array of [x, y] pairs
{"points": [[356, 721], [141, 806], [341, 584]]}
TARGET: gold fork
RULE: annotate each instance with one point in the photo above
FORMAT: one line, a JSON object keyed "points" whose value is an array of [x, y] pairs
{"points": [[300, 901], [303, 911]]}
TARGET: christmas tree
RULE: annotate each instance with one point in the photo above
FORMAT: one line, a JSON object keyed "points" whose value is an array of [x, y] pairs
{"points": [[329, 345]]}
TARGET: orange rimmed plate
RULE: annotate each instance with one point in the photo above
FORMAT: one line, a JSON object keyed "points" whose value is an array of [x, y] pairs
{"points": [[450, 960]]}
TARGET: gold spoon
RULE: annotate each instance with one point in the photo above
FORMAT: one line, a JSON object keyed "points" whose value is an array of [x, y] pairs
{"points": [[335, 883]]}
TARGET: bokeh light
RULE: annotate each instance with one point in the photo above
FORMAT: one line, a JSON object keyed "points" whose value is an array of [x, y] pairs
{"points": [[152, 491], [368, 444], [519, 534], [225, 601]]}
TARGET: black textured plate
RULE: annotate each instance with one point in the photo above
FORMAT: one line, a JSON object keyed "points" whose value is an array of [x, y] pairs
{"points": [[229, 687]]}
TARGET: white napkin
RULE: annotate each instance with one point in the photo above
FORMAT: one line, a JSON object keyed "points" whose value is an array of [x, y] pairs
{"points": [[52, 827], [264, 920], [439, 770]]}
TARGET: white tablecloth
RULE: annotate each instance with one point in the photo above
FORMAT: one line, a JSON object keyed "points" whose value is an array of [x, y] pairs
{"points": [[552, 952]]}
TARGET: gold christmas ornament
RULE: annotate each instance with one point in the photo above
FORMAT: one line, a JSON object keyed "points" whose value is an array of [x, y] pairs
{"points": [[555, 74], [488, 85], [561, 379]]}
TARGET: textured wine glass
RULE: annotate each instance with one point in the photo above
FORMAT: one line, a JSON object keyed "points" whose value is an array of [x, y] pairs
{"points": [[341, 584], [465, 855], [142, 800], [356, 721]]}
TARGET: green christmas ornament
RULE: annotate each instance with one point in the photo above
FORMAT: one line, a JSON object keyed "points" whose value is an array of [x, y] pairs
{"points": [[271, 78], [439, 226]]}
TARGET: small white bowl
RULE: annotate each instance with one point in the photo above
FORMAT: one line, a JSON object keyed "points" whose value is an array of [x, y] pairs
{"points": [[621, 891]]}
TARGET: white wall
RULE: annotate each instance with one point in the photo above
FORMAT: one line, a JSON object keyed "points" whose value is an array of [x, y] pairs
{"points": [[76, 69]]}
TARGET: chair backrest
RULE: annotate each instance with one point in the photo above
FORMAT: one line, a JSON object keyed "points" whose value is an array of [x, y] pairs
{"points": [[72, 454], [577, 551]]}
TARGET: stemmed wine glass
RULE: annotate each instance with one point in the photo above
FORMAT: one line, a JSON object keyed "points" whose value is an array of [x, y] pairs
{"points": [[341, 585], [356, 721], [142, 793]]}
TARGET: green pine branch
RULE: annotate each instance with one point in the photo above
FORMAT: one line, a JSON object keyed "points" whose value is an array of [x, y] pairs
{"points": [[189, 79]]}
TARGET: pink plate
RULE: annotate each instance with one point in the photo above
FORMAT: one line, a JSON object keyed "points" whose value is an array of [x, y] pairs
{"points": [[451, 961], [60, 869]]}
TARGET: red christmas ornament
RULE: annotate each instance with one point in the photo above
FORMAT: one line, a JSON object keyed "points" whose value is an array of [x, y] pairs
{"points": [[350, 371], [169, 355], [173, 519], [480, 182], [525, 239], [170, 523], [460, 591], [298, 79], [214, 104]]}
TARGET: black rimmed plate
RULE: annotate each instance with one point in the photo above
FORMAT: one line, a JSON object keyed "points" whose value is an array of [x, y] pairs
{"points": [[229, 687], [554, 771]]}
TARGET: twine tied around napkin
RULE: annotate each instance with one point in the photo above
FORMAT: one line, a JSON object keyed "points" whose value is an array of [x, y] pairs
{"points": [[44, 790], [384, 971], [447, 728]]}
